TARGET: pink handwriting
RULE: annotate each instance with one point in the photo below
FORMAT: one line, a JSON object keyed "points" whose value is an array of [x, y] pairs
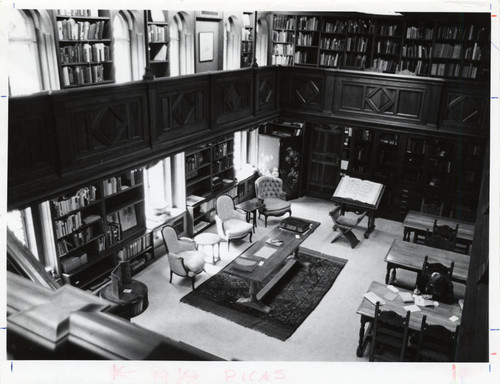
{"points": [[265, 376]]}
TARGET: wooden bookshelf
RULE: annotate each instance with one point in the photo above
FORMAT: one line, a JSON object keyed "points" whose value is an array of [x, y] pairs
{"points": [[100, 224], [209, 173], [158, 45], [451, 49], [84, 47], [247, 39]]}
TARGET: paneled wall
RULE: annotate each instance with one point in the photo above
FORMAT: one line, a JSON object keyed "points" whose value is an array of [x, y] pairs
{"points": [[66, 138]]}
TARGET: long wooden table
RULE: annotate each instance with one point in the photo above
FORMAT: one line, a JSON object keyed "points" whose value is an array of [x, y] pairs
{"points": [[410, 256], [419, 223], [258, 279], [439, 315]]}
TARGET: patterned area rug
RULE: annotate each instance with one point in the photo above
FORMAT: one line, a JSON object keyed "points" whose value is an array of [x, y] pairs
{"points": [[291, 300]]}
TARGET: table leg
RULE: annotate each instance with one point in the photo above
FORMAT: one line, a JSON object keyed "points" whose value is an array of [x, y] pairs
{"points": [[389, 267], [363, 337], [254, 218], [406, 234], [252, 301], [371, 225]]}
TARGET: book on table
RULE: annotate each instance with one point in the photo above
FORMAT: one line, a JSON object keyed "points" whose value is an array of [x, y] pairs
{"points": [[364, 191]]}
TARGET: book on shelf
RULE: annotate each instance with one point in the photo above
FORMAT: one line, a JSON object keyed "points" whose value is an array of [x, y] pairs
{"points": [[364, 191]]}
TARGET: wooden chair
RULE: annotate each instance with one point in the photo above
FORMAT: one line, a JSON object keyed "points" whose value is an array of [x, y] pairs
{"points": [[390, 335], [436, 343], [183, 258], [442, 237], [429, 275], [345, 225]]}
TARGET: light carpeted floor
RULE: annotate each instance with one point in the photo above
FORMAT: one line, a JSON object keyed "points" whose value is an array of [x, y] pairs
{"points": [[331, 331]]}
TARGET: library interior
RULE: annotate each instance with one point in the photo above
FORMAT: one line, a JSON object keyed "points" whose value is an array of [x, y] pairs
{"points": [[248, 185]]}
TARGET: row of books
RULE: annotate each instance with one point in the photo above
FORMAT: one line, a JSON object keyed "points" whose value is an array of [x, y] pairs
{"points": [[416, 51], [425, 33], [475, 33], [385, 65], [308, 23], [358, 44], [447, 51], [246, 46], [283, 36], [157, 33], [135, 247], [337, 26], [388, 30], [221, 150], [113, 233], [469, 71], [68, 225], [300, 57], [358, 61], [70, 243], [278, 59], [78, 12], [333, 43], [223, 164], [118, 183], [417, 67], [85, 53], [330, 60], [387, 46], [473, 53], [361, 26], [449, 32], [305, 39], [80, 30], [416, 146], [83, 197], [80, 75], [282, 49], [283, 22], [445, 69]]}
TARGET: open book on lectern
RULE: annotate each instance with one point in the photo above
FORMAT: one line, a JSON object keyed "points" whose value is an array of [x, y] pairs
{"points": [[364, 191]]}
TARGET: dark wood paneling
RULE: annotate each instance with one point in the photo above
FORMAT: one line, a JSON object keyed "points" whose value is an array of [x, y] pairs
{"points": [[179, 107], [232, 97], [304, 90], [465, 109], [266, 90], [31, 143], [99, 126], [386, 98]]}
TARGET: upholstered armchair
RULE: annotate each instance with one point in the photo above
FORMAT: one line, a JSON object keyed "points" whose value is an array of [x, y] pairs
{"points": [[270, 190], [231, 224], [183, 258]]}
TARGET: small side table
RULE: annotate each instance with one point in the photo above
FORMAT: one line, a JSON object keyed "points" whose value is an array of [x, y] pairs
{"points": [[250, 207], [133, 300], [212, 239]]}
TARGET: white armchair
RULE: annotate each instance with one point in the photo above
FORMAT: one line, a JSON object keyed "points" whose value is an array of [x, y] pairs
{"points": [[231, 224], [183, 258]]}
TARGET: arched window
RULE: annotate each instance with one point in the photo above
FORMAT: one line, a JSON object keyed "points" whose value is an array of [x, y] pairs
{"points": [[25, 76], [261, 42], [122, 57], [181, 55], [233, 43]]}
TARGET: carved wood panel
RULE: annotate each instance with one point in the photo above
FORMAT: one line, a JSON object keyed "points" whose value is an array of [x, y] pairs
{"points": [[381, 99], [306, 92], [95, 129], [266, 92], [31, 143], [463, 110], [233, 99]]}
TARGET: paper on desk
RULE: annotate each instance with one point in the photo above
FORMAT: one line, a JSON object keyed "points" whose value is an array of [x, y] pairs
{"points": [[127, 291], [393, 288], [265, 252], [373, 298], [453, 318], [411, 308], [389, 296]]}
